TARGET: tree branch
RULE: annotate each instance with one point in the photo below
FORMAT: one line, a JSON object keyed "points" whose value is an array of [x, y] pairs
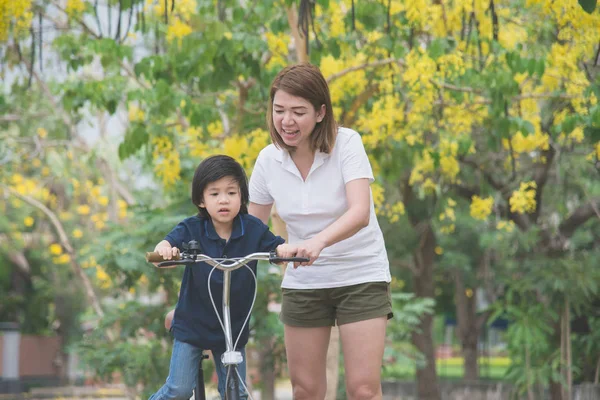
{"points": [[364, 66], [64, 240], [579, 217]]}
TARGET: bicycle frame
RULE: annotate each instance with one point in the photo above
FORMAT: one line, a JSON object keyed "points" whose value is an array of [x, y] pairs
{"points": [[231, 358]]}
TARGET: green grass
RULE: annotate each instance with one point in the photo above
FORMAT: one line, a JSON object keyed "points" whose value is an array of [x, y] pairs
{"points": [[452, 368]]}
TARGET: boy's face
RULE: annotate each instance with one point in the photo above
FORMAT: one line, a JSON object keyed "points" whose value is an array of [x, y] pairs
{"points": [[222, 200]]}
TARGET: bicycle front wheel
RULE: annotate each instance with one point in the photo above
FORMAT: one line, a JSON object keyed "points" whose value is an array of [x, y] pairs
{"points": [[232, 385]]}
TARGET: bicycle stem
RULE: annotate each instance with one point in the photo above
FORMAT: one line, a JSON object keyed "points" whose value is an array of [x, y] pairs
{"points": [[226, 310]]}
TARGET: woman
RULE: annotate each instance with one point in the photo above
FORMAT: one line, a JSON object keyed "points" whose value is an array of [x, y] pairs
{"points": [[318, 174]]}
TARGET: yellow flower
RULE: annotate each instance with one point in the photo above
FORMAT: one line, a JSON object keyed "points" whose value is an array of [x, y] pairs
{"points": [[28, 221], [523, 200], [55, 249], [36, 162], [16, 179], [42, 132], [45, 171], [481, 208], [507, 226], [83, 209], [450, 167], [178, 30], [135, 114], [439, 251], [75, 7], [103, 201], [469, 292], [104, 280], [62, 259], [77, 233]]}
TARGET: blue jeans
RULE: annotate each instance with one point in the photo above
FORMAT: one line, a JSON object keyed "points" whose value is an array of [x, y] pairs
{"points": [[184, 370]]}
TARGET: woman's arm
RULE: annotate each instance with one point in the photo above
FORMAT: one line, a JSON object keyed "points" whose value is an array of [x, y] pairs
{"points": [[358, 196], [260, 211]]}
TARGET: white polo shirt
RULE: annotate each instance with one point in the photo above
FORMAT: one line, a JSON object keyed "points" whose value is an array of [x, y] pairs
{"points": [[308, 207]]}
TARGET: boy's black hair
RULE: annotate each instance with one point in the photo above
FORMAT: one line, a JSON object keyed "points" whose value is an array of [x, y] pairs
{"points": [[212, 169]]}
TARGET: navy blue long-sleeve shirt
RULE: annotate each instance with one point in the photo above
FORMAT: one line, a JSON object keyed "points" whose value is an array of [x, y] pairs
{"points": [[195, 321]]}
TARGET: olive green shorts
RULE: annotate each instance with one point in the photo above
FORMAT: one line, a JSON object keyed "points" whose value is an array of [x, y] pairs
{"points": [[313, 308]]}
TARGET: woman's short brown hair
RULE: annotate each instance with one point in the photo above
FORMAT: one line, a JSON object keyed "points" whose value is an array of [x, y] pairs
{"points": [[306, 81]]}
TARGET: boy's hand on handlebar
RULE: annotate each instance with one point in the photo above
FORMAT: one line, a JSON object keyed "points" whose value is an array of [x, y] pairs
{"points": [[310, 248], [167, 253]]}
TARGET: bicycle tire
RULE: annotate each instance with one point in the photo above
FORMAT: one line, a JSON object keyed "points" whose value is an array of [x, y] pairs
{"points": [[199, 390], [232, 386]]}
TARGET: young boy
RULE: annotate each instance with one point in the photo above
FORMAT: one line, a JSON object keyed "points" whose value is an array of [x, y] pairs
{"points": [[223, 228]]}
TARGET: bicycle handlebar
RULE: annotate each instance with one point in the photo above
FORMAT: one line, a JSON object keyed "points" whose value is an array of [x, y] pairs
{"points": [[219, 263]]}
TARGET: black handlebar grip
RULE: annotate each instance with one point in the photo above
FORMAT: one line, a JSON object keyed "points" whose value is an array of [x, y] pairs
{"points": [[276, 260], [154, 257]]}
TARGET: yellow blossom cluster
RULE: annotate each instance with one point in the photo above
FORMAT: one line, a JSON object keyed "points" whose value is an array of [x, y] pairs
{"points": [[29, 187], [383, 122], [507, 226], [395, 211], [104, 280], [526, 144], [448, 217], [215, 129], [481, 208], [193, 139], [178, 30], [75, 8], [448, 162], [15, 14], [378, 193], [423, 165], [245, 148], [178, 26], [135, 113], [334, 17], [278, 47], [523, 200], [352, 83], [60, 257], [166, 161]]}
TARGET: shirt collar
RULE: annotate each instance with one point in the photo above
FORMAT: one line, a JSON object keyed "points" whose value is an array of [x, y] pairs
{"points": [[236, 231], [288, 164]]}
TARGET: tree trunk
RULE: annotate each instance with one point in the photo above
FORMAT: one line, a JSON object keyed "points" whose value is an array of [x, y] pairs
{"points": [[468, 329], [556, 391], [427, 384], [299, 39]]}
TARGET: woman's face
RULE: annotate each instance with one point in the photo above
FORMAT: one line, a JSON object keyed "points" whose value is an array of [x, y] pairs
{"points": [[295, 118]]}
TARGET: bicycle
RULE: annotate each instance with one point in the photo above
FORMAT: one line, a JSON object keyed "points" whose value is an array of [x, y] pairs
{"points": [[191, 254]]}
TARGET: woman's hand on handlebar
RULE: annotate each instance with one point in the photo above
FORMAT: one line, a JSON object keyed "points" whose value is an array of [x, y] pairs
{"points": [[285, 251], [310, 248]]}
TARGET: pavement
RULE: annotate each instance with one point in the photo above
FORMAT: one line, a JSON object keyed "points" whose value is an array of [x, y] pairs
{"points": [[117, 392]]}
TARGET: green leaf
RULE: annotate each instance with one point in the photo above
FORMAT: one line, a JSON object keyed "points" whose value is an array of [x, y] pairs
{"points": [[588, 5], [133, 141], [527, 128], [592, 133], [532, 66], [540, 67], [437, 48]]}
